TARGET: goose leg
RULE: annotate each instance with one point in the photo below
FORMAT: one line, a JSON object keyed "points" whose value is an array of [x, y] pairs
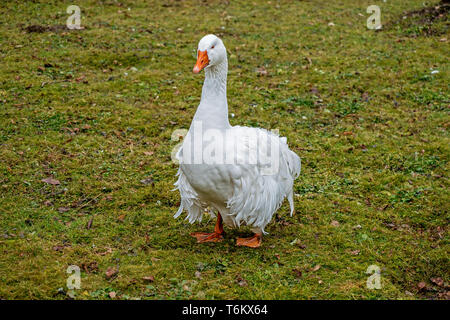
{"points": [[216, 236], [252, 242]]}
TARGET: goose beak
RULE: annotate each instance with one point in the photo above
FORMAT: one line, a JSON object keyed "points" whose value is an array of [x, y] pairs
{"points": [[202, 61]]}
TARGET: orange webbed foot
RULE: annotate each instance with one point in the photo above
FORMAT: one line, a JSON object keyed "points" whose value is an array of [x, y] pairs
{"points": [[207, 237], [252, 242]]}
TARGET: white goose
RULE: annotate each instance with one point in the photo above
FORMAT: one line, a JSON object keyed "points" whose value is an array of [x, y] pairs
{"points": [[229, 168]]}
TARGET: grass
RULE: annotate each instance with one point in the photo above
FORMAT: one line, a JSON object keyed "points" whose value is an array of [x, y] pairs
{"points": [[95, 109]]}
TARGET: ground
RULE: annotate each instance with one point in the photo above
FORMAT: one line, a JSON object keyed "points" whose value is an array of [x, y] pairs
{"points": [[86, 127]]}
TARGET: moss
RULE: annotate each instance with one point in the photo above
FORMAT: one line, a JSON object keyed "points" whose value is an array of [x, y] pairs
{"points": [[96, 108]]}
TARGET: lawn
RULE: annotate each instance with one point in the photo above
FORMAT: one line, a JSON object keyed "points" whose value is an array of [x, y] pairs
{"points": [[86, 125]]}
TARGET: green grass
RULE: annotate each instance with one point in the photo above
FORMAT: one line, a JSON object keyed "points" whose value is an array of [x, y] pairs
{"points": [[360, 107]]}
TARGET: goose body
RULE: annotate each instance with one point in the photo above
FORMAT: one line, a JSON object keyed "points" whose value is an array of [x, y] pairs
{"points": [[244, 173]]}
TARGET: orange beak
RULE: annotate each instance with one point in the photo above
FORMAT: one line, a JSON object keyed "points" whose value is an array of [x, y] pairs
{"points": [[202, 61]]}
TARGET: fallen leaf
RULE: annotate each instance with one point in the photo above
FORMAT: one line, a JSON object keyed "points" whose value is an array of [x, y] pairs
{"points": [[89, 224], [297, 272], [335, 223], [111, 272], [241, 281], [297, 243], [149, 278], [261, 71], [147, 181], [421, 285], [81, 78], [317, 267], [148, 153], [121, 217], [51, 181], [198, 274], [365, 96], [438, 281], [347, 133], [105, 252], [112, 294], [355, 252], [90, 266], [63, 209]]}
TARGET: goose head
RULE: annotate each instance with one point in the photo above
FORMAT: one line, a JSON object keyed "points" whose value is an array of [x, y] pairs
{"points": [[211, 52]]}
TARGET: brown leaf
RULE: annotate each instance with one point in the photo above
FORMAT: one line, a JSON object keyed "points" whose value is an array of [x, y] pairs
{"points": [[297, 272], [355, 252], [421, 285], [261, 71], [112, 294], [147, 181], [241, 281], [149, 278], [63, 209], [317, 267], [90, 266], [335, 223], [81, 78], [51, 181], [365, 97], [314, 90], [148, 153], [111, 272], [121, 217], [438, 281], [89, 224], [347, 133], [297, 243], [198, 274], [105, 252]]}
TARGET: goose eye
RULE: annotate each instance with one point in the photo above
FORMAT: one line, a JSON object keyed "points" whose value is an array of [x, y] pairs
{"points": [[212, 47]]}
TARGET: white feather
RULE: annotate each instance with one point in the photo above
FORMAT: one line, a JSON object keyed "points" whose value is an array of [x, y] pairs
{"points": [[242, 192]]}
